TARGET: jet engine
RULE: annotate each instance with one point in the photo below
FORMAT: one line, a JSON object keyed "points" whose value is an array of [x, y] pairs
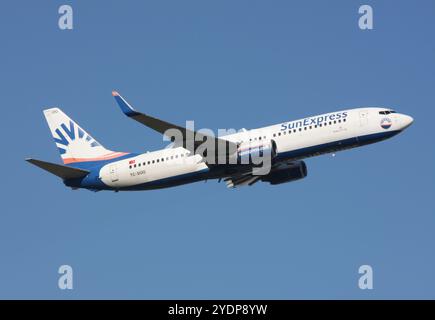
{"points": [[256, 152], [286, 172]]}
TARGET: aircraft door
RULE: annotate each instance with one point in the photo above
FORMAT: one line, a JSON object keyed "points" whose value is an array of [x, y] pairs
{"points": [[364, 118], [113, 173]]}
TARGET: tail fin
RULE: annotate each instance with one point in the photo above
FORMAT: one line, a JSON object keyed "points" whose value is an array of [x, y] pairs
{"points": [[74, 143]]}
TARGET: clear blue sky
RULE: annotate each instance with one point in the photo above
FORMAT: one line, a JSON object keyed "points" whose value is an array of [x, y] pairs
{"points": [[224, 64]]}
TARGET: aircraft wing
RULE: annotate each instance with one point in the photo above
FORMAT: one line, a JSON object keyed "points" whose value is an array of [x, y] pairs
{"points": [[189, 139]]}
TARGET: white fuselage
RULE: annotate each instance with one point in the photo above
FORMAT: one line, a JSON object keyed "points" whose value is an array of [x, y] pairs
{"points": [[294, 140]]}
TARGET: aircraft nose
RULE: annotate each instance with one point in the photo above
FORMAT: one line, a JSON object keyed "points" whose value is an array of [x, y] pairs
{"points": [[406, 121]]}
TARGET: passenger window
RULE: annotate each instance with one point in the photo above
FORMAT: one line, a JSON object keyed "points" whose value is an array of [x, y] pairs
{"points": [[148, 162], [154, 161], [273, 135], [130, 167], [279, 133], [344, 120], [300, 129]]}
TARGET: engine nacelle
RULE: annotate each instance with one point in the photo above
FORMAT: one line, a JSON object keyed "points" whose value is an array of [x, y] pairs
{"points": [[255, 152], [286, 172]]}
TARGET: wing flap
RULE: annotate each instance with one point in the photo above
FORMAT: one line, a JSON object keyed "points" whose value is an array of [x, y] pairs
{"points": [[241, 180]]}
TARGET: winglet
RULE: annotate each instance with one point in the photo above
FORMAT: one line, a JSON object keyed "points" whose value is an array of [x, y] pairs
{"points": [[124, 105]]}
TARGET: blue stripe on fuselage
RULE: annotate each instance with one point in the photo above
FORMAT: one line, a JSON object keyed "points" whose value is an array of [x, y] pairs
{"points": [[170, 181], [336, 145]]}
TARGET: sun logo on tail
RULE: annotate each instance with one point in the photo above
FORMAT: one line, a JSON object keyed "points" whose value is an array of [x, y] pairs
{"points": [[66, 136]]}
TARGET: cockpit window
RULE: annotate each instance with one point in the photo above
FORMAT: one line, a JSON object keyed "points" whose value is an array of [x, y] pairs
{"points": [[387, 112]]}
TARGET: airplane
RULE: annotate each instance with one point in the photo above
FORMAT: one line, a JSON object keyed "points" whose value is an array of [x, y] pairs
{"points": [[88, 165]]}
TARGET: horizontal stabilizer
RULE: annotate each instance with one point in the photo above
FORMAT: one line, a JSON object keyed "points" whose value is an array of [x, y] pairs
{"points": [[61, 171]]}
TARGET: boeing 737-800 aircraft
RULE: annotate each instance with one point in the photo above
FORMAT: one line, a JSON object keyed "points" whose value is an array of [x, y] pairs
{"points": [[88, 165]]}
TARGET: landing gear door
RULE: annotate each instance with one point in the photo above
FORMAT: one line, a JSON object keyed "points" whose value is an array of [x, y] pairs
{"points": [[113, 173], [363, 118]]}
